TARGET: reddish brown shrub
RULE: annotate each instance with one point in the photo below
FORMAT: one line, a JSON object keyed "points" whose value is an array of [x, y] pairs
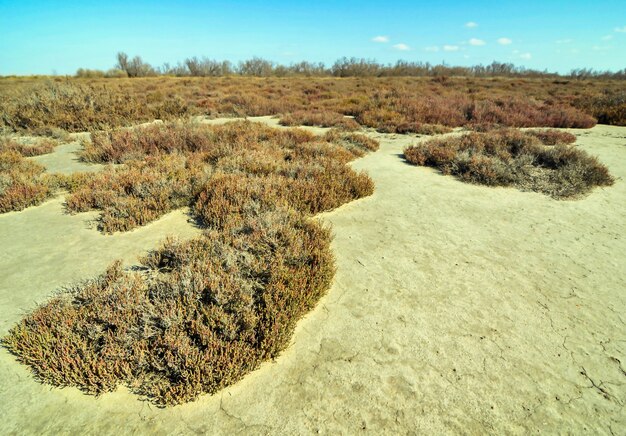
{"points": [[22, 183], [35, 148], [319, 118], [512, 157], [552, 137], [202, 313], [210, 309]]}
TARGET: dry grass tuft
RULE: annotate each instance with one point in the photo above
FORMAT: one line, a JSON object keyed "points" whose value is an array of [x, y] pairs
{"points": [[199, 314], [512, 157]]}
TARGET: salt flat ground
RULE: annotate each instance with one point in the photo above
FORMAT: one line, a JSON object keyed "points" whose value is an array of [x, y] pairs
{"points": [[455, 309]]}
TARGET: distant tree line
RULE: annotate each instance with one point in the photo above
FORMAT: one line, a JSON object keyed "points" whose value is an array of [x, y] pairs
{"points": [[344, 67]]}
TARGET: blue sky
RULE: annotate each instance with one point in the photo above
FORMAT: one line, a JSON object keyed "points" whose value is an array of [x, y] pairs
{"points": [[45, 37]]}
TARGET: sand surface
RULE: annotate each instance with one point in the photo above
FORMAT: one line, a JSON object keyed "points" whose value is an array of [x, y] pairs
{"points": [[455, 309]]}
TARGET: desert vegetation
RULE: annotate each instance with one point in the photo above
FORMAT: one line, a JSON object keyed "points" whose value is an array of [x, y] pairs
{"points": [[28, 148], [319, 118], [196, 315], [389, 104], [22, 182], [538, 161]]}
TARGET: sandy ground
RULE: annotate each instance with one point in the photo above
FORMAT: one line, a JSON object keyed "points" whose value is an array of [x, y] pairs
{"points": [[65, 160], [455, 309]]}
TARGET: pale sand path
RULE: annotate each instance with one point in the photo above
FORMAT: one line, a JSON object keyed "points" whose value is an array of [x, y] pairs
{"points": [[455, 309]]}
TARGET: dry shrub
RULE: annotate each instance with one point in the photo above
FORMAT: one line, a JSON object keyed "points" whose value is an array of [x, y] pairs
{"points": [[202, 314], [22, 182], [357, 143], [122, 145], [35, 148], [78, 107], [552, 137], [140, 192], [389, 104], [199, 314], [423, 129], [399, 111], [608, 107], [167, 166], [319, 118], [512, 157]]}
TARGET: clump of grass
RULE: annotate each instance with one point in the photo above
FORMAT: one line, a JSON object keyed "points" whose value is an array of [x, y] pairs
{"points": [[398, 111], [168, 165], [322, 118], [202, 313], [511, 157], [22, 182]]}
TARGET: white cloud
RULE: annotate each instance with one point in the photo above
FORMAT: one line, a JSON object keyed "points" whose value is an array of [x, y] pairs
{"points": [[504, 41], [471, 24], [402, 47], [525, 56], [450, 48], [564, 41], [621, 29], [476, 41], [599, 48], [432, 48], [380, 38]]}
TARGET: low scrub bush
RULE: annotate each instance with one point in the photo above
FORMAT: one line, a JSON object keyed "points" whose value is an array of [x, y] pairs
{"points": [[552, 137], [319, 118], [388, 104], [608, 108], [34, 148], [140, 192], [22, 182], [512, 157], [200, 314], [123, 145], [78, 107]]}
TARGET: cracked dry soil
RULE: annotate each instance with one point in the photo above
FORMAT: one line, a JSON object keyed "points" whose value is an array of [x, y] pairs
{"points": [[455, 309]]}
